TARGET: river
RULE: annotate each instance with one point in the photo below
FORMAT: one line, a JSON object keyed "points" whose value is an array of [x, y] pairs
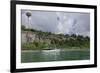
{"points": [[28, 56]]}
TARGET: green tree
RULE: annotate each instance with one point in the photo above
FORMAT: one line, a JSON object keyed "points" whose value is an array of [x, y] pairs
{"points": [[23, 27]]}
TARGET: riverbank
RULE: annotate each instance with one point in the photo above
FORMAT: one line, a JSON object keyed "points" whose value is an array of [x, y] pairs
{"points": [[52, 48], [56, 49]]}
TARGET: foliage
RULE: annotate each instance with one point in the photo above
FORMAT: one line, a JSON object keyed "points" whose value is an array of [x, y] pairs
{"points": [[23, 27], [60, 41]]}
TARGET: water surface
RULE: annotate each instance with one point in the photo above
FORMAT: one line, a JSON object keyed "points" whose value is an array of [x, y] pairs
{"points": [[53, 55]]}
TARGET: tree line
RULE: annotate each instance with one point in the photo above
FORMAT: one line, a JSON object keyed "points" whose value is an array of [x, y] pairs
{"points": [[59, 41]]}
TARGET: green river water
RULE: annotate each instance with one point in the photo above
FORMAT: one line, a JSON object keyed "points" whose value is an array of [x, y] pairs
{"points": [[53, 55]]}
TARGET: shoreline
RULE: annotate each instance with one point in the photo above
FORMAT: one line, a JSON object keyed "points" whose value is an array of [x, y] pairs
{"points": [[56, 50]]}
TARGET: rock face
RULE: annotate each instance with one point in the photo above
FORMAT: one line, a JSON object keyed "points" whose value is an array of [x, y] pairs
{"points": [[27, 36], [39, 39], [33, 36]]}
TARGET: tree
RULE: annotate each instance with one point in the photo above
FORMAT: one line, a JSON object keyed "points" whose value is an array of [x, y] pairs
{"points": [[23, 27], [73, 35], [67, 35]]}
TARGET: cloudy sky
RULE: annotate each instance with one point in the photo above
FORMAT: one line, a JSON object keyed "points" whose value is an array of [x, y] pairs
{"points": [[58, 22]]}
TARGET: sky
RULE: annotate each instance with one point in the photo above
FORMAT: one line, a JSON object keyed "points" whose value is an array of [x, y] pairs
{"points": [[57, 22]]}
